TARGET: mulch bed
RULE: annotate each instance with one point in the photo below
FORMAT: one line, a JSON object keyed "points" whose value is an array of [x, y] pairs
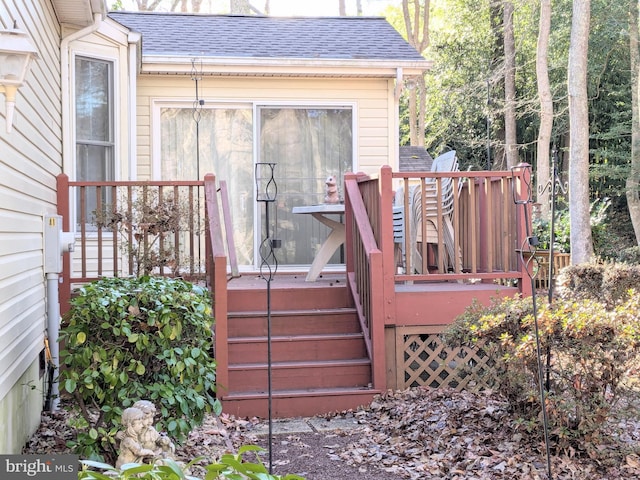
{"points": [[414, 434]]}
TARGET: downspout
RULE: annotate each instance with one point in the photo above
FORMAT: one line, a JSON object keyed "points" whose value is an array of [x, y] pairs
{"points": [[53, 278], [134, 41]]}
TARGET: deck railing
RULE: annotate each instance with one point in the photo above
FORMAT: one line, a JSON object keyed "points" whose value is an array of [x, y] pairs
{"points": [[484, 224], [365, 274], [130, 228], [475, 234]]}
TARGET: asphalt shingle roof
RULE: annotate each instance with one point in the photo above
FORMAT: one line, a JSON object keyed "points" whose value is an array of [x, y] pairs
{"points": [[175, 34], [414, 159]]}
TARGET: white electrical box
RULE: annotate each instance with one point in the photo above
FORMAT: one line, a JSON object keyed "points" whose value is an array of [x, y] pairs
{"points": [[56, 242]]}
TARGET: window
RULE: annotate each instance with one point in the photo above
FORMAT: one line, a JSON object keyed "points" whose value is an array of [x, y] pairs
{"points": [[221, 142], [308, 143], [94, 128]]}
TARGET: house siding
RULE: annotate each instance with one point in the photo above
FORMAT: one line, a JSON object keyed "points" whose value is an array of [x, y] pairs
{"points": [[30, 159], [373, 111], [110, 43]]}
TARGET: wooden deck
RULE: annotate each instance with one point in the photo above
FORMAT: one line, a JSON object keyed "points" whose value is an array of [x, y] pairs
{"points": [[337, 341]]}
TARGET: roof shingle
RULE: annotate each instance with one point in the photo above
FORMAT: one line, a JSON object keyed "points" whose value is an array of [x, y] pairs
{"points": [[177, 34]]}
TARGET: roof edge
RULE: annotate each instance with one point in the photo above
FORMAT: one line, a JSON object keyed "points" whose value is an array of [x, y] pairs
{"points": [[282, 66]]}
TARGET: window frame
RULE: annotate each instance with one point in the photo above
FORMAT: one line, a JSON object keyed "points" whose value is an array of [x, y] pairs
{"points": [[110, 145]]}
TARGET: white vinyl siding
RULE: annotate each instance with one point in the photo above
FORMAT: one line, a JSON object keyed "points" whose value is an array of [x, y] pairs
{"points": [[30, 159]]}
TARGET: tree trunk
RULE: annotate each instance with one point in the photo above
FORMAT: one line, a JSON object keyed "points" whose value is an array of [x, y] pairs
{"points": [[510, 137], [240, 7], [417, 26], [580, 237], [422, 109], [342, 9], [546, 107], [633, 180]]}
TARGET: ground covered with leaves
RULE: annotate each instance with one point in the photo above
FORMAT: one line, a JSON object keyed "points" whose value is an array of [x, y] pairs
{"points": [[414, 434]]}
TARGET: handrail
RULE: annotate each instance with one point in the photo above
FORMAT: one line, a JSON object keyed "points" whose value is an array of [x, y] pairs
{"points": [[217, 279], [364, 276]]}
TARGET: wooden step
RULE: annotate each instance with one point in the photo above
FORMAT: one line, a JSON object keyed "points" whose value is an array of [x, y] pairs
{"points": [[297, 403], [297, 348], [293, 322], [311, 298], [252, 377]]}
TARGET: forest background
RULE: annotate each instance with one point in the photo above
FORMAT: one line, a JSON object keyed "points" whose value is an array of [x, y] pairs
{"points": [[517, 81]]}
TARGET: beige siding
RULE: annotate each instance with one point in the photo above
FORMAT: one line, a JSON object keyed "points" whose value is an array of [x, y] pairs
{"points": [[374, 139], [30, 158], [108, 43]]}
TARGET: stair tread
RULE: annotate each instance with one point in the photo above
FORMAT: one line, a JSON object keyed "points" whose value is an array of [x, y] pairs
{"points": [[301, 364], [291, 313], [303, 392], [306, 337]]}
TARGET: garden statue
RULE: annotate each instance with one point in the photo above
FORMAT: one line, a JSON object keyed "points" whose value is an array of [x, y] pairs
{"points": [[150, 438], [332, 190], [140, 440], [131, 449]]}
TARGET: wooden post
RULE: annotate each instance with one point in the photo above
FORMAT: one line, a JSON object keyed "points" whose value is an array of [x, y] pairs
{"points": [[387, 244], [62, 200]]}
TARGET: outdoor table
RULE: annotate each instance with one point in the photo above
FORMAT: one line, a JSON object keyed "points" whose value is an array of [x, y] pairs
{"points": [[332, 242]]}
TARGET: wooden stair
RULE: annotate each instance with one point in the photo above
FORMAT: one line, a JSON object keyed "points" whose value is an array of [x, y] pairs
{"points": [[319, 358]]}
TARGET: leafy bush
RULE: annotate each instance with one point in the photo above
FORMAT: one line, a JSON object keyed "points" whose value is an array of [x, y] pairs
{"points": [[603, 244], [137, 338], [590, 349], [148, 226], [229, 466], [629, 255], [609, 282]]}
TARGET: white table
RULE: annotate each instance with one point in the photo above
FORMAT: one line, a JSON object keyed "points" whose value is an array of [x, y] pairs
{"points": [[332, 242]]}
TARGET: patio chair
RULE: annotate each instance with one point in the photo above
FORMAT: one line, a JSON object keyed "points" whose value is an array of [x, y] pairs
{"points": [[428, 215]]}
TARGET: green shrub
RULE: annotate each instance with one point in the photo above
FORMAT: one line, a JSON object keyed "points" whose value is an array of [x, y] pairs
{"points": [[137, 338], [229, 466], [591, 348], [604, 241], [629, 255], [608, 282]]}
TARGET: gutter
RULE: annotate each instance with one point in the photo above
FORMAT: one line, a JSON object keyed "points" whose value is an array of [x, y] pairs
{"points": [[134, 47], [283, 66]]}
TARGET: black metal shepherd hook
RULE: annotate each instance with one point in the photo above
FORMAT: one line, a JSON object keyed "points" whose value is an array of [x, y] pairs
{"points": [[528, 247], [266, 192]]}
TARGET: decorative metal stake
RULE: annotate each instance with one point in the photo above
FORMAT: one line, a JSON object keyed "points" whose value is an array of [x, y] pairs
{"points": [[266, 192], [555, 186], [529, 246]]}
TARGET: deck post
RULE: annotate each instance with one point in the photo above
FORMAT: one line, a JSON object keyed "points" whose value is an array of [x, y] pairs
{"points": [[387, 245], [522, 193], [218, 284], [62, 200]]}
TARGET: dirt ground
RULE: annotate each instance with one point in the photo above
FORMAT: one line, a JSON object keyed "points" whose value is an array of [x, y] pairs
{"points": [[415, 434]]}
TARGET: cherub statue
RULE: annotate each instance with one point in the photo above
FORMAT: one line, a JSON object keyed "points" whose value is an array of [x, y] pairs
{"points": [[131, 448], [149, 437], [332, 190]]}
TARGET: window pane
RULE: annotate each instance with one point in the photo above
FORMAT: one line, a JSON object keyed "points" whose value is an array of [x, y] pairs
{"points": [[220, 143], [307, 145], [94, 126], [94, 163], [93, 80]]}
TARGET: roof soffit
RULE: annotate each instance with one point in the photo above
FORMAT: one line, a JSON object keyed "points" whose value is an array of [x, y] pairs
{"points": [[79, 12]]}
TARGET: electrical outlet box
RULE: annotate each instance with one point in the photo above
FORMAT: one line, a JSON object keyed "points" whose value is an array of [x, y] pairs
{"points": [[56, 242]]}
